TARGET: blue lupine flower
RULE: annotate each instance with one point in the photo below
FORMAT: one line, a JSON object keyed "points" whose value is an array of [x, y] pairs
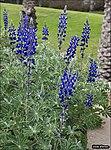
{"points": [[22, 41], [92, 71], [5, 19], [32, 39], [12, 35], [45, 32], [62, 26], [90, 99], [27, 42], [66, 92], [71, 51], [26, 46], [85, 37], [29, 51], [67, 86]]}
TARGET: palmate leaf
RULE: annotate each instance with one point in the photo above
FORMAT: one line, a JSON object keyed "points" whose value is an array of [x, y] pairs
{"points": [[93, 121], [3, 138], [17, 142], [73, 132], [106, 111], [70, 145], [35, 129], [44, 144]]}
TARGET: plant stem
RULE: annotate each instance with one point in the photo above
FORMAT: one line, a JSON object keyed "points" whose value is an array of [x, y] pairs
{"points": [[55, 144], [109, 95]]}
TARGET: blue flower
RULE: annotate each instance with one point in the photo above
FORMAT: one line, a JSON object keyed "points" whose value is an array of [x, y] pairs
{"points": [[92, 71], [67, 86], [62, 26], [45, 32], [66, 89], [26, 46], [21, 40], [90, 99], [85, 37], [12, 35], [5, 19], [71, 51], [30, 44], [27, 40]]}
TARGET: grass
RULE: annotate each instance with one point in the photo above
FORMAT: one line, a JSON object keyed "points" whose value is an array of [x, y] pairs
{"points": [[75, 25]]}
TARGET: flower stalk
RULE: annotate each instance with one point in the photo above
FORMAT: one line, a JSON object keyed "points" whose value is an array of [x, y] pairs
{"points": [[5, 19], [85, 38], [65, 93], [62, 26]]}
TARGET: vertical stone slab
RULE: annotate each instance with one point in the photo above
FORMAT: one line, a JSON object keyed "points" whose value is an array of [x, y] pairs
{"points": [[92, 4], [104, 52], [28, 9]]}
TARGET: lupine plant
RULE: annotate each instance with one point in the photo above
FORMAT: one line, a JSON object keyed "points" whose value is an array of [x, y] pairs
{"points": [[85, 37], [27, 41], [66, 92], [62, 26], [61, 103], [29, 52], [22, 37], [90, 99], [5, 18], [12, 36], [4, 40], [71, 51], [45, 32], [92, 71], [91, 78]]}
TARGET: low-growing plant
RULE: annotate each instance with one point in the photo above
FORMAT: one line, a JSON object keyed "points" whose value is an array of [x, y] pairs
{"points": [[48, 102]]}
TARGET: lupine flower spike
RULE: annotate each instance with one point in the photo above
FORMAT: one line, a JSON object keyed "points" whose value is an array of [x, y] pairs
{"points": [[92, 71], [93, 74], [71, 51], [12, 35], [22, 38], [66, 92], [85, 38], [90, 99], [62, 26], [5, 19], [29, 52], [45, 32], [20, 42], [26, 46]]}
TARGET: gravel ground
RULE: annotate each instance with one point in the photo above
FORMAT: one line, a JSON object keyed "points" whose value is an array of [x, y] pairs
{"points": [[101, 136]]}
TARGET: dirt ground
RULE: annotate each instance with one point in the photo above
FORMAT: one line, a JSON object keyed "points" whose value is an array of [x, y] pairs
{"points": [[101, 136]]}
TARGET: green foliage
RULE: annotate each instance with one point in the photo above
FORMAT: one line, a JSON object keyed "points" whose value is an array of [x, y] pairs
{"points": [[34, 123], [4, 40], [30, 123], [79, 113]]}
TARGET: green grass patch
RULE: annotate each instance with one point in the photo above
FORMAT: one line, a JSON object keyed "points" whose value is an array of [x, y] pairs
{"points": [[75, 24]]}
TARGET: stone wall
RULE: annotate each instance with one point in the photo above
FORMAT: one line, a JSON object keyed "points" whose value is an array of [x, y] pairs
{"points": [[104, 52], [99, 5], [81, 5]]}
